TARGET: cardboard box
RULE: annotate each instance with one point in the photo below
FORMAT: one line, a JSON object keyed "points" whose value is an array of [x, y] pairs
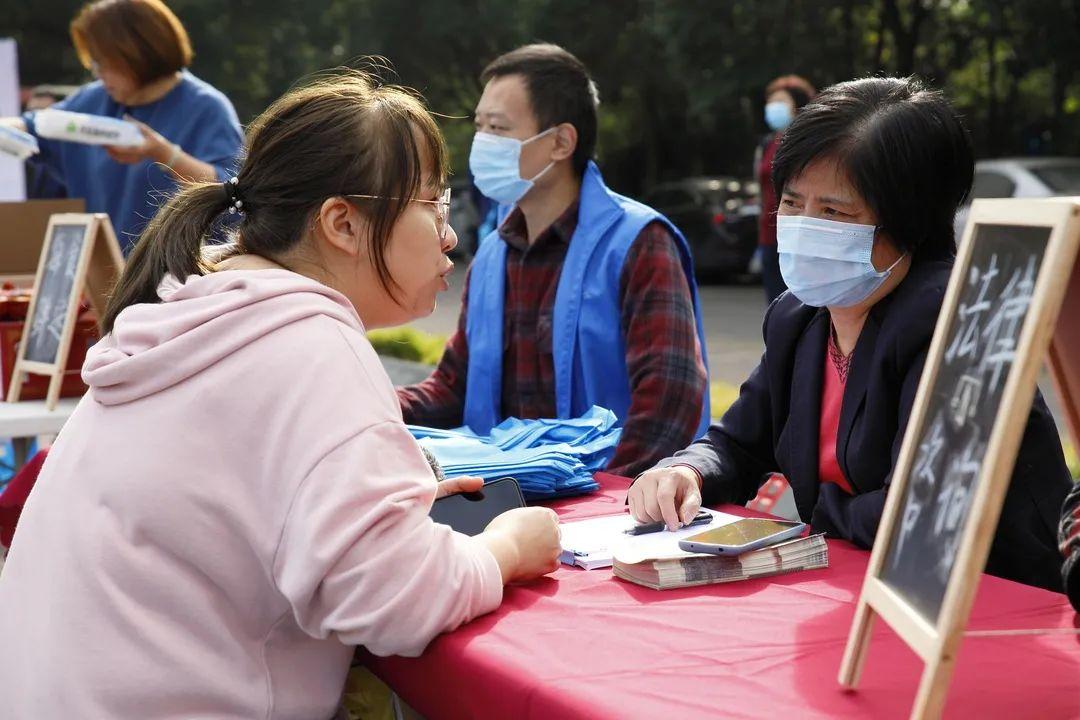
{"points": [[22, 232]]}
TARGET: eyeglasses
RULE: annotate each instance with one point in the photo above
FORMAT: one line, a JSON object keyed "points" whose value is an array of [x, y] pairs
{"points": [[442, 209]]}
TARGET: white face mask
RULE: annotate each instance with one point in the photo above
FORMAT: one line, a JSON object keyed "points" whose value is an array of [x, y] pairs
{"points": [[826, 262], [495, 162]]}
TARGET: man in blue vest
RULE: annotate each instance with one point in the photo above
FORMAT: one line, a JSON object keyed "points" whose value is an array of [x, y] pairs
{"points": [[581, 297]]}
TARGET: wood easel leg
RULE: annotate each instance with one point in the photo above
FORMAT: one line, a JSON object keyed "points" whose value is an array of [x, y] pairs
{"points": [[857, 645], [15, 388], [933, 689], [54, 390]]}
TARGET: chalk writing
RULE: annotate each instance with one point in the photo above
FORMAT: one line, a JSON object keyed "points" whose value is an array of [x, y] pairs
{"points": [[45, 329], [979, 351]]}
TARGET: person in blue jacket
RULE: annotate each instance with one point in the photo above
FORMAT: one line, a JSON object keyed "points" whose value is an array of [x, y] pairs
{"points": [[581, 296], [139, 52]]}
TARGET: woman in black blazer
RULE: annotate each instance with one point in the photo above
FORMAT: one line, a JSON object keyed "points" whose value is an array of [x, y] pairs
{"points": [[870, 176]]}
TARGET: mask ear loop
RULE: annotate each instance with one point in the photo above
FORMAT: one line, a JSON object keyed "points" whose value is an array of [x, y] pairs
{"points": [[886, 271], [539, 135], [551, 164], [890, 268]]}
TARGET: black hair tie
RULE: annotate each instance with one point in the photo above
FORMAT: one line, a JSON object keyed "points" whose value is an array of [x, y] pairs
{"points": [[232, 196]]}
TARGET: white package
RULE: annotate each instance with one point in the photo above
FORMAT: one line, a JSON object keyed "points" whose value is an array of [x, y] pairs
{"points": [[89, 129], [17, 143]]}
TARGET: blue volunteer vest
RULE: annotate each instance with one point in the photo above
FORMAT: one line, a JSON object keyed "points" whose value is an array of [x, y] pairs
{"points": [[588, 347]]}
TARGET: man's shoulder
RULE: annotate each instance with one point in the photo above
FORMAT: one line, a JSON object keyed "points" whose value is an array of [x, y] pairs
{"points": [[637, 211], [655, 242]]}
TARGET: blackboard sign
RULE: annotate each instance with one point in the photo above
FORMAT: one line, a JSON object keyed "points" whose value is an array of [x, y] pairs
{"points": [[45, 328], [993, 334], [963, 407], [79, 258]]}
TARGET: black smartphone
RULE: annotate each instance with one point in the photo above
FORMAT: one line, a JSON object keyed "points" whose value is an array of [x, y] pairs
{"points": [[704, 517], [470, 513]]}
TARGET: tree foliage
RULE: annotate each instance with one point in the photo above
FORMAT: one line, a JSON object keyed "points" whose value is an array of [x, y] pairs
{"points": [[681, 81]]}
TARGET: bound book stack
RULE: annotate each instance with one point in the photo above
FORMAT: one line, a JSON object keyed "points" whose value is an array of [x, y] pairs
{"points": [[687, 569]]}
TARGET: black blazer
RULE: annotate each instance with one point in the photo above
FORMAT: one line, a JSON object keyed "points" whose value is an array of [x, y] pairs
{"points": [[774, 425]]}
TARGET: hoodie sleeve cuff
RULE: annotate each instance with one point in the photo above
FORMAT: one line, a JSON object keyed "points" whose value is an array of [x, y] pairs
{"points": [[491, 587]]}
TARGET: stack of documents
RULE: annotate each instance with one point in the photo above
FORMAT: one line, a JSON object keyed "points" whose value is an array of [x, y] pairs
{"points": [[549, 458], [594, 543], [689, 569]]}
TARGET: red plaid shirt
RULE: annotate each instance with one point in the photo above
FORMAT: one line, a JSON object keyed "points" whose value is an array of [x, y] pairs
{"points": [[1069, 535], [663, 357]]}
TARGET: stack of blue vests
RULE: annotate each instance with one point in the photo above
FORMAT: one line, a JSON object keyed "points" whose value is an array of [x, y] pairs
{"points": [[549, 458]]}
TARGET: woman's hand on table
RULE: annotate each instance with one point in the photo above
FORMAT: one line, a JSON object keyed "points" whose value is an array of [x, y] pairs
{"points": [[671, 495], [525, 542]]}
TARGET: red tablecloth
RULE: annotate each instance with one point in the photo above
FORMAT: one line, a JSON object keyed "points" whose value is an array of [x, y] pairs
{"points": [[582, 644]]}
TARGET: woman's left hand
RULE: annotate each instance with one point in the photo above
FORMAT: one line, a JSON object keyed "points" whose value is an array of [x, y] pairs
{"points": [[453, 486], [155, 147]]}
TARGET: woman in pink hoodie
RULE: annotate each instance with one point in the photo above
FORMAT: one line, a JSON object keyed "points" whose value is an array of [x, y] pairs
{"points": [[236, 503]]}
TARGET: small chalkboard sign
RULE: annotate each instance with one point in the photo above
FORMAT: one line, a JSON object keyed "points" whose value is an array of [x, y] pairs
{"points": [[52, 293], [80, 256], [963, 408], [992, 336]]}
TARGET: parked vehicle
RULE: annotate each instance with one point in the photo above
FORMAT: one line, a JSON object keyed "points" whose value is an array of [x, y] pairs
{"points": [[718, 216], [1031, 177]]}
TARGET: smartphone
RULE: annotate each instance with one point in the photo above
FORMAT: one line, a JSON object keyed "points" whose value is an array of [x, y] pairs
{"points": [[470, 513], [741, 536]]}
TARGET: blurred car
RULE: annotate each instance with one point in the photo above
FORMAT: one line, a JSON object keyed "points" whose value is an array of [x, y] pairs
{"points": [[718, 216], [1031, 177]]}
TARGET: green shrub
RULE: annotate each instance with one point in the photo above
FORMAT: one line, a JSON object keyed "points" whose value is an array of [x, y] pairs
{"points": [[721, 395], [408, 344], [1071, 458]]}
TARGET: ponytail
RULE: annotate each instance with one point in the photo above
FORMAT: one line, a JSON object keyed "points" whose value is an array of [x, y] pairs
{"points": [[170, 245]]}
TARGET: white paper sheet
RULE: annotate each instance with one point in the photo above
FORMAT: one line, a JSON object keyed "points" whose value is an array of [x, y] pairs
{"points": [[596, 542]]}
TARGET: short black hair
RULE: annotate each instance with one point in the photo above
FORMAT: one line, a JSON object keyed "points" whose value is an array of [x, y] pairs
{"points": [[560, 91], [904, 149]]}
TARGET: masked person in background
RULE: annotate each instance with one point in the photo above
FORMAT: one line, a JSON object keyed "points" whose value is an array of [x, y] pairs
{"points": [[869, 177], [783, 98], [581, 297]]}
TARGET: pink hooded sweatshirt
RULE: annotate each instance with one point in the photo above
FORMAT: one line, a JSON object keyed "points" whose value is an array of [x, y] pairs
{"points": [[233, 506]]}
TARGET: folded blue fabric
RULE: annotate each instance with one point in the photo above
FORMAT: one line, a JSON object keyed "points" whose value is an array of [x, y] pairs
{"points": [[549, 458]]}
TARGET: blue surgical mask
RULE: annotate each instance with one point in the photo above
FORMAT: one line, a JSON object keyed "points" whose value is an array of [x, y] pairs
{"points": [[495, 162], [778, 115], [827, 263]]}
